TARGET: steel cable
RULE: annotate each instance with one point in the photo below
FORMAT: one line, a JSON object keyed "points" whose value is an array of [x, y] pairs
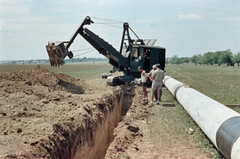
{"points": [[85, 52]]}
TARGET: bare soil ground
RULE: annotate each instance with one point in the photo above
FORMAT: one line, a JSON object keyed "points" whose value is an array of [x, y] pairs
{"points": [[144, 134], [37, 107]]}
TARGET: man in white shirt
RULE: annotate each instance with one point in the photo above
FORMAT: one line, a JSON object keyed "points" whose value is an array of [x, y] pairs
{"points": [[144, 78], [157, 76]]}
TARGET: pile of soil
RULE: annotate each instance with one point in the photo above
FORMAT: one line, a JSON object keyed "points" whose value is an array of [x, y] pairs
{"points": [[37, 108], [30, 81]]}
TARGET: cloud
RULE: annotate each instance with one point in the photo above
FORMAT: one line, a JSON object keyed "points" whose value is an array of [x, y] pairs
{"points": [[59, 10], [2, 24], [236, 19], [198, 4], [12, 7], [189, 17]]}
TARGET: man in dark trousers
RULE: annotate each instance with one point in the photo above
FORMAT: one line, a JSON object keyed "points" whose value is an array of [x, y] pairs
{"points": [[157, 76]]}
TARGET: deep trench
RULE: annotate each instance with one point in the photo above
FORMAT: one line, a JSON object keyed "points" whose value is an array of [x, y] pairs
{"points": [[91, 138]]}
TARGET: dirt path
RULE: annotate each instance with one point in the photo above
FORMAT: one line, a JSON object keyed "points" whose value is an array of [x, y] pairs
{"points": [[144, 134], [40, 111]]}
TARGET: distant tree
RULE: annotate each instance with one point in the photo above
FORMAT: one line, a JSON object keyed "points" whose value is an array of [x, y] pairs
{"points": [[208, 58], [216, 57], [237, 58], [181, 60], [186, 60], [194, 59], [226, 58], [200, 59], [175, 60]]}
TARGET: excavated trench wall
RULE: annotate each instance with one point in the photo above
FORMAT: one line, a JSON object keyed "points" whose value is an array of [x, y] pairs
{"points": [[101, 134], [91, 138]]}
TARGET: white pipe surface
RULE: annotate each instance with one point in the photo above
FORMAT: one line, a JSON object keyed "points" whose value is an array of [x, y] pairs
{"points": [[220, 123]]}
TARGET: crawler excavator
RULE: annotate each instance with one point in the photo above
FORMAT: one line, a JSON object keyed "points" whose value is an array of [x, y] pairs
{"points": [[132, 53]]}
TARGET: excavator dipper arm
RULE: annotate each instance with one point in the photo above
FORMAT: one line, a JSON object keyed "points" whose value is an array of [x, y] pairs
{"points": [[57, 52], [115, 58]]}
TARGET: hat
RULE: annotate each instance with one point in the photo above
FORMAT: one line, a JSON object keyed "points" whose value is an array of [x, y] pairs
{"points": [[154, 66], [158, 65]]}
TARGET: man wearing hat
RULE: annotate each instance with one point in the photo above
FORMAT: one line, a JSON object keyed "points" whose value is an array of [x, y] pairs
{"points": [[157, 77]]}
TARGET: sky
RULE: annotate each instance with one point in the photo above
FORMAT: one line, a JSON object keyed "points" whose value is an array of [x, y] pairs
{"points": [[184, 27]]}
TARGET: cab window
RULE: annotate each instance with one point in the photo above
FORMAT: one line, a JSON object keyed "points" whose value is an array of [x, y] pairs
{"points": [[134, 52], [141, 50]]}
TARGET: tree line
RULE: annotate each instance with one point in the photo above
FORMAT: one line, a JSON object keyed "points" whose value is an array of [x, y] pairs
{"points": [[209, 58], [85, 59], [46, 61]]}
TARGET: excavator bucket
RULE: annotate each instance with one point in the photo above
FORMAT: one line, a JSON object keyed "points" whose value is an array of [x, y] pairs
{"points": [[56, 54]]}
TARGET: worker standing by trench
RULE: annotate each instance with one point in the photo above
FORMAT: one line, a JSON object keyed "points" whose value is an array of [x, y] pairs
{"points": [[157, 78], [144, 82]]}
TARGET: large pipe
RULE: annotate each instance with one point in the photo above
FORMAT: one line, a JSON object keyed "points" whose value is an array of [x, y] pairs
{"points": [[220, 123]]}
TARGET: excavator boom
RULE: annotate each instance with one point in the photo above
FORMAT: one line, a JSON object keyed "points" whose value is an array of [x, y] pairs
{"points": [[57, 52]]}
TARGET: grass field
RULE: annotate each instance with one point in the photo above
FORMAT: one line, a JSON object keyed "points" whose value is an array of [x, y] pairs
{"points": [[219, 83], [83, 71]]}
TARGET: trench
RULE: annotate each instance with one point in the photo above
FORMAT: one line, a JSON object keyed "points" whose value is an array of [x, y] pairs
{"points": [[89, 134]]}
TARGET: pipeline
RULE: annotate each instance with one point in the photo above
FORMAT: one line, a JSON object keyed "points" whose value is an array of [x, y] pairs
{"points": [[220, 123]]}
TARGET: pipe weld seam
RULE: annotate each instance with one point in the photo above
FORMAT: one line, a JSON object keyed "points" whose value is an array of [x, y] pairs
{"points": [[227, 134], [176, 88], [165, 79]]}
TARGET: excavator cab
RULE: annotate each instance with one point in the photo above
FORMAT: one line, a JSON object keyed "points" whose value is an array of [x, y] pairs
{"points": [[146, 56], [140, 52]]}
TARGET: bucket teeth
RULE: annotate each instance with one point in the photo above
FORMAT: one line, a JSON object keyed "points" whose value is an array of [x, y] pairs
{"points": [[56, 54]]}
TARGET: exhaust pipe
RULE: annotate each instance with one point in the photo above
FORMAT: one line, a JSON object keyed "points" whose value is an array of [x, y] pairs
{"points": [[220, 123]]}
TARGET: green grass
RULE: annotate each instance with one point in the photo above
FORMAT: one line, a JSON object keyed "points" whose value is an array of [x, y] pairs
{"points": [[176, 121], [219, 83], [81, 71], [87, 73]]}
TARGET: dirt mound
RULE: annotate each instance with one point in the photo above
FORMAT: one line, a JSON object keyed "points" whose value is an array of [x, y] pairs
{"points": [[48, 115], [30, 102], [26, 81], [44, 115], [40, 70]]}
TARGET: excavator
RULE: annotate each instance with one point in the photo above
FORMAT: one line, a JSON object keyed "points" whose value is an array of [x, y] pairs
{"points": [[132, 53]]}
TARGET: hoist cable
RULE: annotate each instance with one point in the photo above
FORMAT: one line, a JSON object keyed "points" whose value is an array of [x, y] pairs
{"points": [[103, 23], [134, 33], [84, 52], [82, 49], [108, 20], [108, 25]]}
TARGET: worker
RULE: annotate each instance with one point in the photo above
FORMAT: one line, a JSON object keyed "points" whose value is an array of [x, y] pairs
{"points": [[144, 78], [154, 67], [157, 76]]}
